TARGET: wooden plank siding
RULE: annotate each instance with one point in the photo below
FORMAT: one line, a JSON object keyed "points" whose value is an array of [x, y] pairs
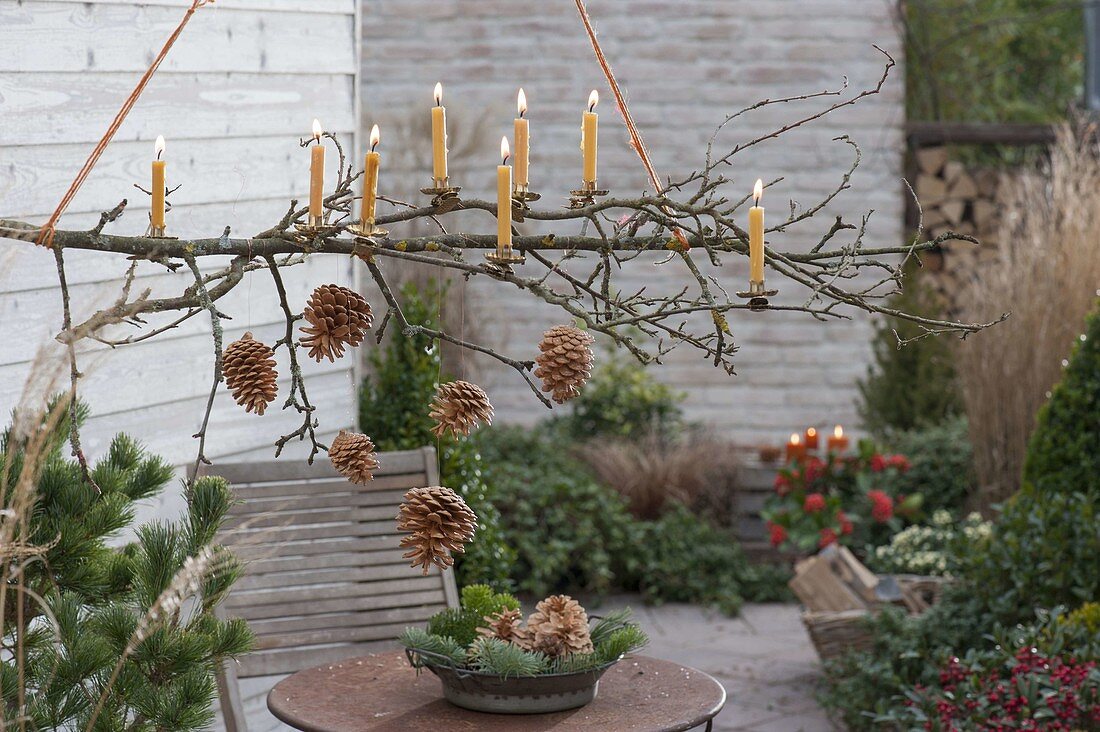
{"points": [[237, 92]]}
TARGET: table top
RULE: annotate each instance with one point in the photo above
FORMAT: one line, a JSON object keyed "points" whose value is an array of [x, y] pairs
{"points": [[382, 692]]}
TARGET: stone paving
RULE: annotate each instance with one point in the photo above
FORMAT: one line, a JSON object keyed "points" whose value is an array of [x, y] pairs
{"points": [[763, 658]]}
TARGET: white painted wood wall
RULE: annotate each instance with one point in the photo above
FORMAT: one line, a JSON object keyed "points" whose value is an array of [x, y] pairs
{"points": [[234, 96]]}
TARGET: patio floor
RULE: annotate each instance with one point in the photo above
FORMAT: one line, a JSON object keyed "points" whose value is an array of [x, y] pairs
{"points": [[763, 658]]}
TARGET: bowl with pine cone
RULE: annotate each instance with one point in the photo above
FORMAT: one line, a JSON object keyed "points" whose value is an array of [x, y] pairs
{"points": [[489, 659]]}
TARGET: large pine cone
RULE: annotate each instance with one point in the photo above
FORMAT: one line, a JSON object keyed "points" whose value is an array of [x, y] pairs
{"points": [[249, 369], [439, 522], [565, 361], [506, 625], [558, 627], [459, 406], [336, 317], [353, 456]]}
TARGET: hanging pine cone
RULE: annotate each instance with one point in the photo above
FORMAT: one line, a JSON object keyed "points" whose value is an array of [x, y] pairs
{"points": [[249, 369], [565, 361], [353, 456], [506, 625], [336, 317], [559, 626], [439, 522], [459, 406]]}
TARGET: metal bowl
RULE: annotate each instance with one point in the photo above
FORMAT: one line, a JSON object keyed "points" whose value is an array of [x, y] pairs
{"points": [[483, 692]]}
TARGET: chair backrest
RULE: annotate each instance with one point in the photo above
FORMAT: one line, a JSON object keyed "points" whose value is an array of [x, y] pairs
{"points": [[324, 576]]}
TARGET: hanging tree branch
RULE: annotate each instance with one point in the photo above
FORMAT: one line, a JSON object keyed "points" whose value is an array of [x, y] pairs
{"points": [[592, 245]]}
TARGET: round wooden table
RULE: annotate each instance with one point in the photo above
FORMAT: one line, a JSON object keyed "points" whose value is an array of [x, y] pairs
{"points": [[383, 692]]}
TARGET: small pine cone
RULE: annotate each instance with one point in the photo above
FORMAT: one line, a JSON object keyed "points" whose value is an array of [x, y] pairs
{"points": [[439, 522], [565, 361], [353, 456], [559, 626], [459, 406], [336, 317], [249, 369], [506, 625]]}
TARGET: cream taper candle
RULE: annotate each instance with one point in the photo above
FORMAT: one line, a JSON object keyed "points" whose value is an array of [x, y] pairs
{"points": [[439, 139], [504, 201], [523, 143], [756, 235], [370, 181], [159, 187], [589, 130], [317, 176]]}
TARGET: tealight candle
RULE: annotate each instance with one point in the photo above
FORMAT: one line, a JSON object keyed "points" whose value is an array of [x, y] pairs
{"points": [[795, 449], [811, 438], [504, 201], [317, 177], [439, 139], [837, 442], [523, 144], [159, 188], [589, 129]]}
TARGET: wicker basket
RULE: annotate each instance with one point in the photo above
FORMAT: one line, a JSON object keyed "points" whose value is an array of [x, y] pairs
{"points": [[835, 633]]}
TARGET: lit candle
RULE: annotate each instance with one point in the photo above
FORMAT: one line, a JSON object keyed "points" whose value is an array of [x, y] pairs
{"points": [[504, 201], [795, 449], [159, 187], [589, 128], [439, 139], [811, 438], [756, 236], [838, 442], [316, 177], [370, 181], [523, 143]]}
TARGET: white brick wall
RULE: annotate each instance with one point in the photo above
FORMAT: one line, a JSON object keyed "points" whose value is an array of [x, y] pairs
{"points": [[684, 65]]}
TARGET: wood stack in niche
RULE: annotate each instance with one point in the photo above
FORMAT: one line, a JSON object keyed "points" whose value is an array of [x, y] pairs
{"points": [[954, 197]]}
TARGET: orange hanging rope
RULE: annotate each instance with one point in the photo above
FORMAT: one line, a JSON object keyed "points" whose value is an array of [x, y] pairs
{"points": [[45, 235]]}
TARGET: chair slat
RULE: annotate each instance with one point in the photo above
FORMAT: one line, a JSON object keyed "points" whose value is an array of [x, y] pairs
{"points": [[352, 604], [390, 463], [264, 505], [253, 589], [289, 661], [305, 517], [273, 570], [274, 626], [388, 631]]}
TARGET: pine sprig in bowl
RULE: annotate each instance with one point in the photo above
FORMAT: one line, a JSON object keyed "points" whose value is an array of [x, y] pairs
{"points": [[489, 661]]}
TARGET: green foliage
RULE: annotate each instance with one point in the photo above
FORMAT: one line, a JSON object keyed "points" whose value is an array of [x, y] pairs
{"points": [[941, 464], [461, 623], [492, 655], [571, 533], [911, 386], [422, 640], [100, 595], [1085, 618], [624, 400], [1064, 446], [992, 60], [393, 410], [566, 528]]}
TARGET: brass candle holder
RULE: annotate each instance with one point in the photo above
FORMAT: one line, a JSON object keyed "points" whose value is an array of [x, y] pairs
{"points": [[159, 232], [757, 295], [444, 196], [585, 195], [313, 226], [506, 257], [368, 229], [521, 196]]}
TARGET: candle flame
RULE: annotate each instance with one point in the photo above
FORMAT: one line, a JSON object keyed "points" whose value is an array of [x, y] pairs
{"points": [[795, 439], [521, 102], [505, 151], [375, 137], [439, 94], [317, 130], [811, 432], [757, 191], [838, 432], [159, 146], [593, 100]]}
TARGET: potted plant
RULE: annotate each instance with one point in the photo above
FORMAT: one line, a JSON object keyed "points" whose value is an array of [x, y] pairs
{"points": [[489, 660]]}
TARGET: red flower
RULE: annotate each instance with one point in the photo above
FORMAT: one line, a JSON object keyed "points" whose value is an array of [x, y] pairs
{"points": [[814, 502], [899, 461], [778, 534], [814, 469], [782, 484], [845, 523], [828, 536], [882, 506], [878, 463]]}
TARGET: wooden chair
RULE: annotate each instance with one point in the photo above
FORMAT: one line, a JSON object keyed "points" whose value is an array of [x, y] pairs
{"points": [[324, 577]]}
